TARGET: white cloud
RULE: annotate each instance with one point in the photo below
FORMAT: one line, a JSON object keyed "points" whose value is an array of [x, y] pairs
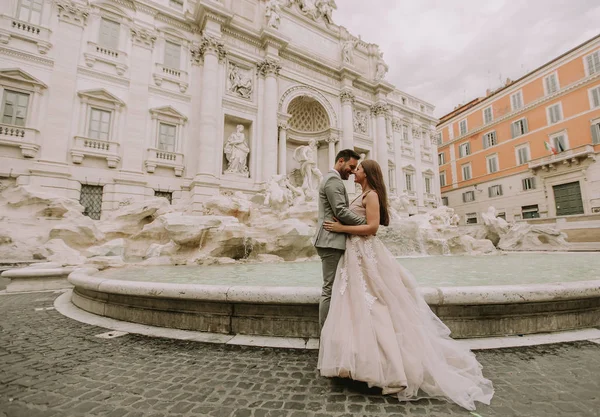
{"points": [[449, 52]]}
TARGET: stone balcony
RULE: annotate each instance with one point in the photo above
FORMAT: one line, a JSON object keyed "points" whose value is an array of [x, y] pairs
{"points": [[426, 155], [159, 158], [569, 157], [176, 76], [95, 52], [95, 148], [406, 151], [429, 197], [18, 29], [24, 138]]}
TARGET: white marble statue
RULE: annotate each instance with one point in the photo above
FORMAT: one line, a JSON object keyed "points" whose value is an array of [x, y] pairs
{"points": [[348, 47], [236, 151], [311, 175], [272, 13], [381, 68], [326, 7], [239, 83]]}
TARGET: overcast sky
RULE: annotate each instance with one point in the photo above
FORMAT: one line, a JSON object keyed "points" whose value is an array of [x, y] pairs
{"points": [[450, 51]]}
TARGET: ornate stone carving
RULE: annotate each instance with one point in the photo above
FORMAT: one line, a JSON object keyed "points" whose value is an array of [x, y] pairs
{"points": [[239, 82], [360, 122], [381, 68], [416, 133], [332, 139], [269, 67], [143, 37], [347, 96], [396, 125], [283, 125], [379, 109], [316, 9], [208, 44], [311, 175], [71, 12], [348, 47], [272, 13], [236, 151]]}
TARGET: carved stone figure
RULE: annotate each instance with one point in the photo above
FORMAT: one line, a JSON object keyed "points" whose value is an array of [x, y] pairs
{"points": [[360, 121], [348, 47], [280, 193], [272, 13], [311, 175], [381, 68], [326, 7], [239, 83], [236, 151]]}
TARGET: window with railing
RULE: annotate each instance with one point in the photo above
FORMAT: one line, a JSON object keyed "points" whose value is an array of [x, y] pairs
{"points": [[99, 124], [91, 199], [30, 11], [14, 108], [172, 55], [109, 34], [167, 135]]}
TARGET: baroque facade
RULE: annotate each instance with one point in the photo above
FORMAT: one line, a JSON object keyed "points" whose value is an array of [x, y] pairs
{"points": [[530, 148], [117, 100]]}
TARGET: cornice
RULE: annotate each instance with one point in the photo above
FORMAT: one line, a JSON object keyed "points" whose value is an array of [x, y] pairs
{"points": [[244, 107], [127, 4], [244, 36], [143, 37], [102, 76], [170, 94], [27, 56], [170, 20], [71, 12]]}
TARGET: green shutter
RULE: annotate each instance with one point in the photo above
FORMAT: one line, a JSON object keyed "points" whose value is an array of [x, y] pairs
{"points": [[596, 134]]}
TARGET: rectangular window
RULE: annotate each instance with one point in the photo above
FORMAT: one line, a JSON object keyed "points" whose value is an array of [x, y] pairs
{"points": [[466, 172], [30, 11], [528, 183], [109, 34], [490, 139], [408, 179], [516, 101], [91, 199], [488, 115], [595, 97], [492, 164], [177, 4], [441, 158], [596, 133], [445, 201], [501, 215], [554, 113], [442, 179], [164, 194], [522, 154], [99, 127], [551, 84], [468, 196], [166, 137], [471, 218], [530, 212], [495, 191], [172, 55], [462, 127], [519, 127], [560, 143], [464, 149], [14, 108], [427, 185], [593, 63]]}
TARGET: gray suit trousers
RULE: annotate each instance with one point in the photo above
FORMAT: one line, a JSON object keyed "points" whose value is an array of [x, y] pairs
{"points": [[329, 262]]}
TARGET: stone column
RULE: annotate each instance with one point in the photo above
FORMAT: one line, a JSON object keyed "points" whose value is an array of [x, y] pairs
{"points": [[381, 149], [211, 50], [347, 98], [397, 139], [419, 183], [134, 141], [269, 68], [331, 141], [282, 152]]}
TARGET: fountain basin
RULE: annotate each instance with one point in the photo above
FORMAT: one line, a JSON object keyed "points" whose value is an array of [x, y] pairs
{"points": [[292, 311]]}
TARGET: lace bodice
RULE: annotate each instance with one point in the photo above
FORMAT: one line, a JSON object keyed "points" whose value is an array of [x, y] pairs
{"points": [[356, 206]]}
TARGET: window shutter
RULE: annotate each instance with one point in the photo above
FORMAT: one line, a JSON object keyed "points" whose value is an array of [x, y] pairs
{"points": [[532, 183], [523, 183], [490, 192], [525, 126], [596, 134], [513, 129], [484, 142], [596, 97], [464, 197], [500, 189]]}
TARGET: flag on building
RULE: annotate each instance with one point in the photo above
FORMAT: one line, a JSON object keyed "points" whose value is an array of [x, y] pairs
{"points": [[550, 148]]}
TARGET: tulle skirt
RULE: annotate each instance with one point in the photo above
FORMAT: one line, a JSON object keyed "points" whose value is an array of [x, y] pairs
{"points": [[381, 331]]}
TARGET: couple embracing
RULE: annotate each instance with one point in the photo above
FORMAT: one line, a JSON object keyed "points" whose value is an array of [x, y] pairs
{"points": [[375, 326]]}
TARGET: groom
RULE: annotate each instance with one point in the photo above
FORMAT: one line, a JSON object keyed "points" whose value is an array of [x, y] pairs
{"points": [[333, 202]]}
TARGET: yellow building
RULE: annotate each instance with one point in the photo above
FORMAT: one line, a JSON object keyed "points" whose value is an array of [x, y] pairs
{"points": [[529, 148]]}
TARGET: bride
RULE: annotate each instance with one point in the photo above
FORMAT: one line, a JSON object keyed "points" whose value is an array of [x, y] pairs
{"points": [[379, 328]]}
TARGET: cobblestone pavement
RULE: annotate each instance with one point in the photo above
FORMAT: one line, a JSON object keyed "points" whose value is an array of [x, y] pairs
{"points": [[53, 366]]}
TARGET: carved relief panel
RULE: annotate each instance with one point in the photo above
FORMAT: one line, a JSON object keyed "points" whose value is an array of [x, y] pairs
{"points": [[240, 81]]}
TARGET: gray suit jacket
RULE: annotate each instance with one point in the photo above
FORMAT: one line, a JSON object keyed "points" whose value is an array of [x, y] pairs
{"points": [[333, 202]]}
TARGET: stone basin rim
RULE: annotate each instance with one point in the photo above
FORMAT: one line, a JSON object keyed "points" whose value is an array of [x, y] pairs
{"points": [[466, 295]]}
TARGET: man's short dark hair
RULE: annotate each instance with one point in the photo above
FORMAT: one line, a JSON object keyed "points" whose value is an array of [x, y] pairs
{"points": [[347, 154]]}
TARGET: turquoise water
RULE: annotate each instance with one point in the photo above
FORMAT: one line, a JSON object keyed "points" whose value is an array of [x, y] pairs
{"points": [[505, 269]]}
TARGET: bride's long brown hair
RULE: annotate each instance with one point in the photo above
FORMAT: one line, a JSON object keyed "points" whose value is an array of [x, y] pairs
{"points": [[375, 181]]}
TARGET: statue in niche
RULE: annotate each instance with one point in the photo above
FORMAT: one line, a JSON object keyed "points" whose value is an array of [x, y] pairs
{"points": [[236, 151], [360, 121], [311, 175], [239, 83], [381, 68], [272, 13], [348, 47], [326, 7]]}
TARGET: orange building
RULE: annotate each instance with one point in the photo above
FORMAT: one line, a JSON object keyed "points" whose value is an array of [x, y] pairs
{"points": [[529, 148]]}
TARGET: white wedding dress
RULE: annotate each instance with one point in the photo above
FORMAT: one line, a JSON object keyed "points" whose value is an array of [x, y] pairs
{"points": [[381, 331]]}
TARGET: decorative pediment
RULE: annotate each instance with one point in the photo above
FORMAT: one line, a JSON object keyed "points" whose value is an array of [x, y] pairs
{"points": [[168, 112], [409, 167], [20, 77], [101, 95], [428, 171]]}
